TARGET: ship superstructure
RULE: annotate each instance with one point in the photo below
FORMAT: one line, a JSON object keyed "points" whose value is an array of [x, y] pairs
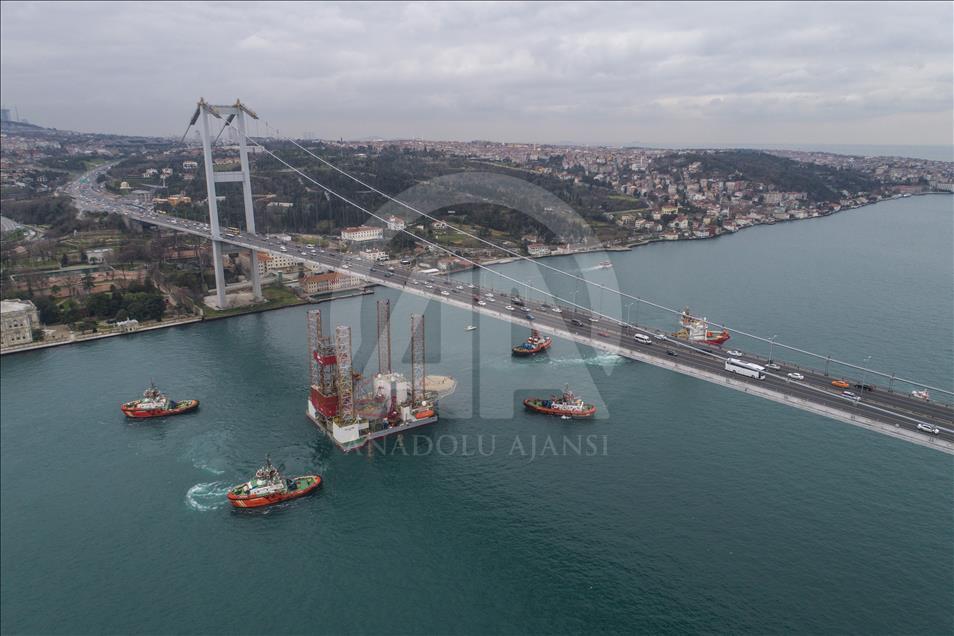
{"points": [[533, 345], [353, 410], [696, 329]]}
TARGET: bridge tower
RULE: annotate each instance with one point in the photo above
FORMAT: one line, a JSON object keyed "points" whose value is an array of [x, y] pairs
{"points": [[236, 112], [417, 359]]}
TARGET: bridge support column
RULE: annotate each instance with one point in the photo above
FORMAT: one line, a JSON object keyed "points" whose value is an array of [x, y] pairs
{"points": [[247, 196], [219, 274], [203, 114]]}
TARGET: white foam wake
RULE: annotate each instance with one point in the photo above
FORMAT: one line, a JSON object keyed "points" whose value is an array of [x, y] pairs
{"points": [[208, 496], [600, 360]]}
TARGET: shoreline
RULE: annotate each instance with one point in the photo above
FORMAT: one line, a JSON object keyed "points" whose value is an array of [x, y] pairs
{"points": [[36, 346], [650, 241]]}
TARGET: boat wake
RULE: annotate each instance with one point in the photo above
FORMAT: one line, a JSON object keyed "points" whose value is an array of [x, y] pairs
{"points": [[208, 496], [601, 360]]}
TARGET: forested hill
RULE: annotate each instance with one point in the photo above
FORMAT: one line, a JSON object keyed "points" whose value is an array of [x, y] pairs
{"points": [[821, 183]]}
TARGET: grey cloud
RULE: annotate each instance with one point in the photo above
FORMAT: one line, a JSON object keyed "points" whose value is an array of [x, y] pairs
{"points": [[611, 73]]}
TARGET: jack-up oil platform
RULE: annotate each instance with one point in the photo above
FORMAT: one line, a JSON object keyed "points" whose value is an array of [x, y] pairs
{"points": [[352, 410]]}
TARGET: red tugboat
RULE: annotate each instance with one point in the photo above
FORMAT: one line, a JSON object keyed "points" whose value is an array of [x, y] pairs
{"points": [[697, 330], [269, 487], [565, 406], [533, 345], [154, 403]]}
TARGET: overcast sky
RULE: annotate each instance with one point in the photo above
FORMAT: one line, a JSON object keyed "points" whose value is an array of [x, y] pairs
{"points": [[589, 73]]}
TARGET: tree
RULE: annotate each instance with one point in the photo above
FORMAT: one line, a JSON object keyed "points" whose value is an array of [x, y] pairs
{"points": [[48, 310]]}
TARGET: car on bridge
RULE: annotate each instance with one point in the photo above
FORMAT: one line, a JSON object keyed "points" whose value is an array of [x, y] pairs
{"points": [[796, 376], [928, 428], [734, 353], [841, 384]]}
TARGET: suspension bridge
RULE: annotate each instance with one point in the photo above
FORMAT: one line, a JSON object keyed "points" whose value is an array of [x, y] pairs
{"points": [[879, 405]]}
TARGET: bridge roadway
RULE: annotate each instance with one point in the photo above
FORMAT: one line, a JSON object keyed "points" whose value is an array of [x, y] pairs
{"points": [[896, 414]]}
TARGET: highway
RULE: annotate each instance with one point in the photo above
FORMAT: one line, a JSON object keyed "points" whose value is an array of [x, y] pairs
{"points": [[897, 414]]}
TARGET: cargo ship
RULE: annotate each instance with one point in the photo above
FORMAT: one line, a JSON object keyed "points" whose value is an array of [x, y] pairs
{"points": [[697, 330], [533, 345], [268, 487], [354, 411], [565, 406], [154, 403]]}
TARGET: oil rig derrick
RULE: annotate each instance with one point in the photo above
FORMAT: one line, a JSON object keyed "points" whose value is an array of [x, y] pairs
{"points": [[345, 379], [384, 337], [323, 368], [417, 359]]}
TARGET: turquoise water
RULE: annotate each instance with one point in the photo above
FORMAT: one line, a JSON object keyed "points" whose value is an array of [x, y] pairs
{"points": [[688, 508]]}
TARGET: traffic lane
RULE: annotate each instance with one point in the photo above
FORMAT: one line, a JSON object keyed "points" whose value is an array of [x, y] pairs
{"points": [[880, 394], [708, 361], [882, 398]]}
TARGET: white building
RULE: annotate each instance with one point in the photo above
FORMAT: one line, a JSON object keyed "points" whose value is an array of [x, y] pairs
{"points": [[538, 249], [329, 282], [374, 255], [396, 223], [18, 319], [363, 233], [98, 255], [273, 262], [127, 325]]}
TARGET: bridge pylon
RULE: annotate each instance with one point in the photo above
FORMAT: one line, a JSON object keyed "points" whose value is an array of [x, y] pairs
{"points": [[238, 113]]}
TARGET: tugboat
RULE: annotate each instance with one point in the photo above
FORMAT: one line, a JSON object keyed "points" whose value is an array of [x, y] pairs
{"points": [[532, 345], [154, 403], [564, 406], [268, 487]]}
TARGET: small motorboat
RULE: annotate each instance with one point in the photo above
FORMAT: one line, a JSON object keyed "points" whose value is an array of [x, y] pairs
{"points": [[471, 328], [268, 487]]}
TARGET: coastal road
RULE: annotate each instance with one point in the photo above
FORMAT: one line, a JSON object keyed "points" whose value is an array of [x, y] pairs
{"points": [[898, 414]]}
